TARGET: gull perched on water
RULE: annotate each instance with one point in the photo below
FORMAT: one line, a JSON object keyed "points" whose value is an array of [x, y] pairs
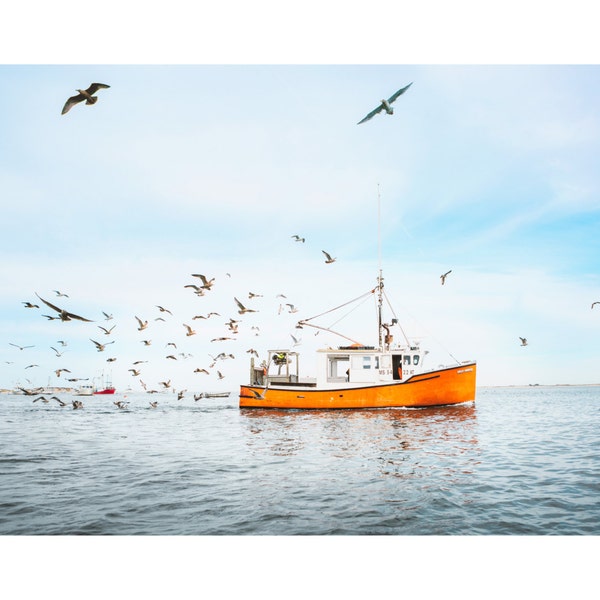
{"points": [[87, 95], [385, 105], [63, 314], [328, 258], [443, 277]]}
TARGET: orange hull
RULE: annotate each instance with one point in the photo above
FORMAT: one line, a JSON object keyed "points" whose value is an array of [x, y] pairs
{"points": [[451, 385]]}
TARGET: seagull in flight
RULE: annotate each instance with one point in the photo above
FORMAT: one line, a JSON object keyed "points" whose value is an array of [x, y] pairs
{"points": [[328, 259], [20, 347], [443, 277], [523, 341], [297, 238], [594, 303], [87, 95], [143, 324], [206, 283], [107, 331], [385, 105], [63, 314], [100, 347], [257, 395], [29, 305], [242, 308]]}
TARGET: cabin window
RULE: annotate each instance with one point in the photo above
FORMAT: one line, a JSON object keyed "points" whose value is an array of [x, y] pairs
{"points": [[406, 359], [386, 362], [366, 362], [416, 359], [338, 365]]}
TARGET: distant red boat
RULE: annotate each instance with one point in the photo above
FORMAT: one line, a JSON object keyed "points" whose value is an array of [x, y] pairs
{"points": [[107, 390]]}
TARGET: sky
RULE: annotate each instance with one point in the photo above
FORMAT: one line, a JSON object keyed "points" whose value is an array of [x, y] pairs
{"points": [[484, 170], [200, 166]]}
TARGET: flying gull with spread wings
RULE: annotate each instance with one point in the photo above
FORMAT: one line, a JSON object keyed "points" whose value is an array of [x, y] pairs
{"points": [[385, 105], [63, 314], [87, 95]]}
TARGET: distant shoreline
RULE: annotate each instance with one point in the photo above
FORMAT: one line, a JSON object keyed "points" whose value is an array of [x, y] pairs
{"points": [[528, 385]]}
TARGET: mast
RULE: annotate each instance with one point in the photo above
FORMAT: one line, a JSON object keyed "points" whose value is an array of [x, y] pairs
{"points": [[380, 276]]}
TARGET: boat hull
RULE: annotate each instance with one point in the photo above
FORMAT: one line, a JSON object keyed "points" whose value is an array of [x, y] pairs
{"points": [[447, 386], [105, 391]]}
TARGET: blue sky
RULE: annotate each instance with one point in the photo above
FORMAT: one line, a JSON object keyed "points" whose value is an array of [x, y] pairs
{"points": [[485, 170], [208, 166]]}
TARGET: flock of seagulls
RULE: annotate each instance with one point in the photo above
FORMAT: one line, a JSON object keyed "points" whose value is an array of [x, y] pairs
{"points": [[144, 324], [200, 288]]}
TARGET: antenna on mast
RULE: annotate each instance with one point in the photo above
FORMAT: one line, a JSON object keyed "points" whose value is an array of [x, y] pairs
{"points": [[380, 276]]}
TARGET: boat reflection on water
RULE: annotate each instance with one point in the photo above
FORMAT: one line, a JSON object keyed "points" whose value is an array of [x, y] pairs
{"points": [[394, 438]]}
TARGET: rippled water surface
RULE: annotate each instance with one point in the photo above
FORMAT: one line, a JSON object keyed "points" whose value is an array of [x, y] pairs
{"points": [[519, 461]]}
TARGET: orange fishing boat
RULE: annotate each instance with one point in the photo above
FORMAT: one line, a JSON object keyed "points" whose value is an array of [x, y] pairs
{"points": [[358, 376]]}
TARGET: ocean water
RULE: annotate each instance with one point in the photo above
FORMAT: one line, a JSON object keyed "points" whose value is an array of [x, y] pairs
{"points": [[517, 462]]}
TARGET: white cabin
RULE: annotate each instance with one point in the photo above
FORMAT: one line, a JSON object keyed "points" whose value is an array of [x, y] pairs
{"points": [[344, 366]]}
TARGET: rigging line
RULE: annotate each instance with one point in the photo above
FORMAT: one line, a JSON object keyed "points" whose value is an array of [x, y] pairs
{"points": [[365, 298], [395, 317], [426, 331], [331, 331], [379, 228], [338, 307]]}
